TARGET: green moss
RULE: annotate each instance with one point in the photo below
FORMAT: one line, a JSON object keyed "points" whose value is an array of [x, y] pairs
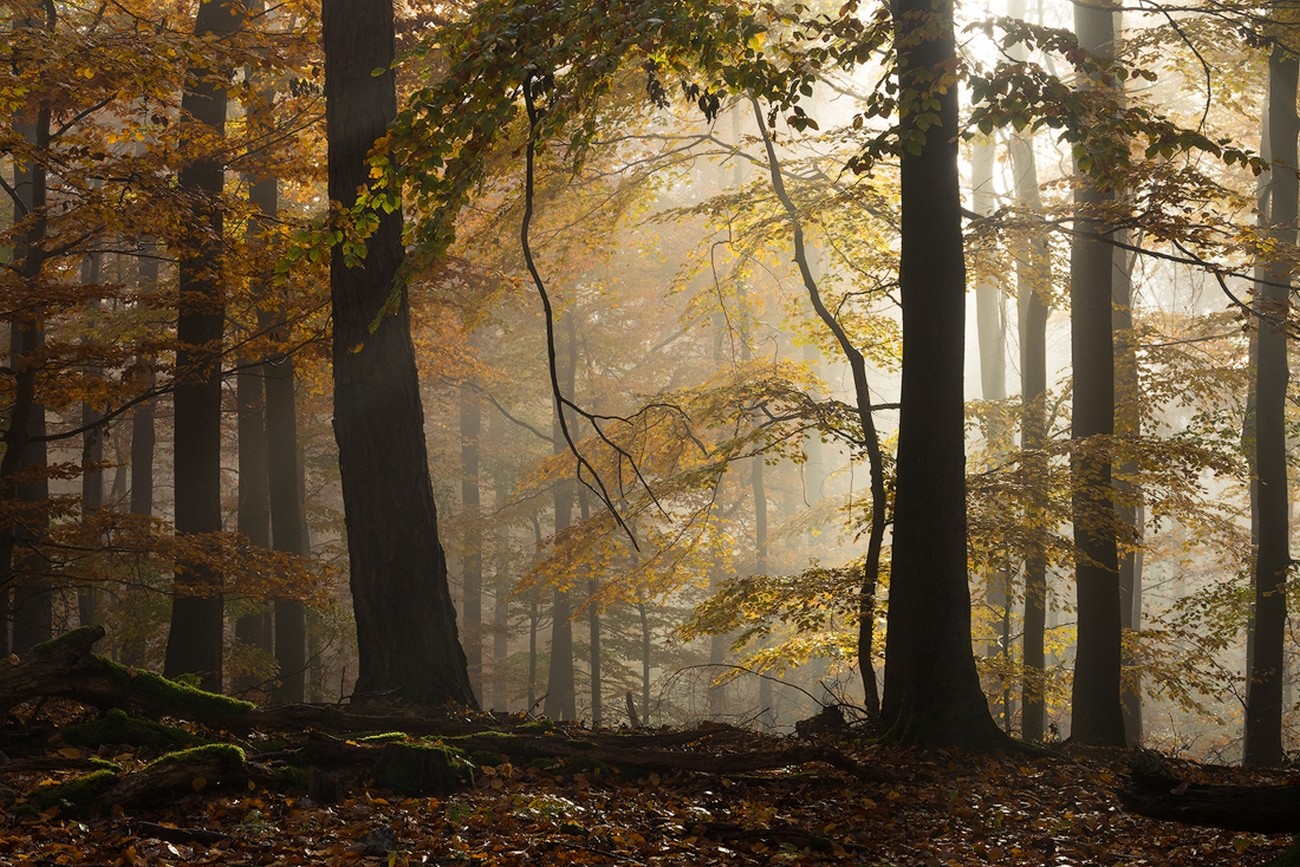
{"points": [[382, 738], [82, 636], [229, 758], [424, 768], [292, 776], [535, 726], [116, 727], [75, 793], [185, 700]]}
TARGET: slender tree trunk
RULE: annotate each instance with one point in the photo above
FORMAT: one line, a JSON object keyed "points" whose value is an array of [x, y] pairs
{"points": [[501, 580], [870, 437], [1096, 716], [593, 623], [406, 623], [932, 690], [1272, 304], [1128, 504], [991, 326], [471, 425], [253, 514], [561, 699], [195, 641], [92, 455], [647, 645], [1033, 286]]}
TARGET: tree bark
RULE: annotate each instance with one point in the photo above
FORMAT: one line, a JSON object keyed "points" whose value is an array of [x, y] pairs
{"points": [[406, 623], [1096, 716], [253, 511], [31, 612], [1263, 734], [471, 426], [932, 690], [1033, 286], [561, 698], [1128, 504], [195, 641]]}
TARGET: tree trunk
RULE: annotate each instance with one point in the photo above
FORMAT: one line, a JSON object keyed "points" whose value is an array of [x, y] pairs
{"points": [[253, 515], [195, 641], [471, 425], [932, 690], [1096, 716], [406, 623], [31, 611], [561, 699], [92, 454], [1128, 504], [593, 624], [501, 579], [991, 327], [1263, 735]]}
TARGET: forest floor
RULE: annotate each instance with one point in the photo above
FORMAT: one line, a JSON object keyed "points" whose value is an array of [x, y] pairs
{"points": [[936, 808]]}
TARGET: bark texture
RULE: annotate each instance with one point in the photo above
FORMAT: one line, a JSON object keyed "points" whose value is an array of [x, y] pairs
{"points": [[932, 690], [406, 624]]}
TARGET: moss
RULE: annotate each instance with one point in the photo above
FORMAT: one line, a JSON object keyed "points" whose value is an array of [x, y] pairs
{"points": [[116, 727], [229, 758], [424, 768], [183, 700], [82, 636], [292, 776], [76, 793], [382, 738], [536, 726]]}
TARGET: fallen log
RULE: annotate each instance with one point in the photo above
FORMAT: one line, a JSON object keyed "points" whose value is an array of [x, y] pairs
{"points": [[1154, 790], [66, 668]]}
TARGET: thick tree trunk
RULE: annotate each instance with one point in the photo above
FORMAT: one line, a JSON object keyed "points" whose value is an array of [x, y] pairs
{"points": [[406, 623], [932, 690], [195, 642], [1263, 744], [1096, 716], [31, 610]]}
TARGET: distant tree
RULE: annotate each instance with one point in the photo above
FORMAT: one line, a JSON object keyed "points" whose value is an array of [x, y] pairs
{"points": [[406, 623], [1269, 387], [195, 641], [1096, 716]]}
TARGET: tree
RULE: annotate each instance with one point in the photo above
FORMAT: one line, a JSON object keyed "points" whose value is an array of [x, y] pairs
{"points": [[406, 624], [1097, 717], [195, 641], [932, 690], [1269, 386]]}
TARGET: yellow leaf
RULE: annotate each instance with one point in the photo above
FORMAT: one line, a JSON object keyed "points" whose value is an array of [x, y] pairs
{"points": [[198, 783]]}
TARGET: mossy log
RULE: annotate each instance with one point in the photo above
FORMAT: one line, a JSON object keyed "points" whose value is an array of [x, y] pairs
{"points": [[66, 668], [1154, 790]]}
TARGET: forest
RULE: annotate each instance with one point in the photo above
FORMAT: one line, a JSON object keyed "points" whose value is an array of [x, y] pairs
{"points": [[662, 432]]}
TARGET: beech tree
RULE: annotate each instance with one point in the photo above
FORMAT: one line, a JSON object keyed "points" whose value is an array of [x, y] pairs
{"points": [[932, 691], [195, 642], [406, 624]]}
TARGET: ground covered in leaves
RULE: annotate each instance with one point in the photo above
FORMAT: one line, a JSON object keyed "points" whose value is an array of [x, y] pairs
{"points": [[930, 808]]}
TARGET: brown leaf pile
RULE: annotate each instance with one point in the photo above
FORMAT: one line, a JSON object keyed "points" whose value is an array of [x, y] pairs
{"points": [[942, 808]]}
